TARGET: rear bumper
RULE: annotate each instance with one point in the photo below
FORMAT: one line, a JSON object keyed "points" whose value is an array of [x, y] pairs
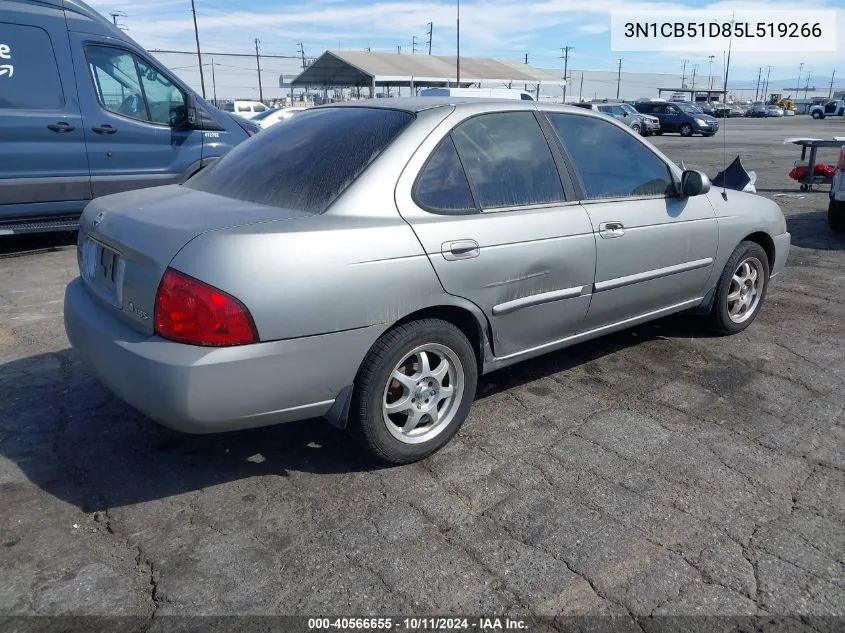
{"points": [[206, 390], [782, 244]]}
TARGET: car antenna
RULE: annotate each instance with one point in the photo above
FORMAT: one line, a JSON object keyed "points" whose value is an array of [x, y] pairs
{"points": [[726, 66]]}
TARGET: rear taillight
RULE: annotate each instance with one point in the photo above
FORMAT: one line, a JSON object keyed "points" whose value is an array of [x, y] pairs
{"points": [[189, 311]]}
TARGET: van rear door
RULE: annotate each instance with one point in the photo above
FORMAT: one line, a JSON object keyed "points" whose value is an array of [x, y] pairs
{"points": [[43, 164], [136, 118]]}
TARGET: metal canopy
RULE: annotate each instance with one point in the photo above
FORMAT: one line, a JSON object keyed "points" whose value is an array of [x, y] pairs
{"points": [[363, 68]]}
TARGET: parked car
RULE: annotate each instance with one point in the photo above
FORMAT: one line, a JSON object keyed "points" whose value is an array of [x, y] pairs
{"points": [[683, 118], [707, 108], [757, 109], [831, 108], [413, 289], [274, 115], [640, 123], [478, 93], [774, 111], [86, 112], [245, 109]]}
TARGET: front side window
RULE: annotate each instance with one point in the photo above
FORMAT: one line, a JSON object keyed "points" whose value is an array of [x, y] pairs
{"points": [[442, 186], [308, 162], [508, 160], [165, 101], [129, 86], [29, 76], [611, 162]]}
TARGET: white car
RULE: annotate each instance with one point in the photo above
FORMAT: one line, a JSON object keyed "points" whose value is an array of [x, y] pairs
{"points": [[274, 115], [773, 110], [245, 109]]}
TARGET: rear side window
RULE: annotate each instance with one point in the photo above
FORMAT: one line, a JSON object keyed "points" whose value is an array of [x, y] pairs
{"points": [[442, 186], [526, 97], [306, 163], [29, 75], [611, 162], [508, 160]]}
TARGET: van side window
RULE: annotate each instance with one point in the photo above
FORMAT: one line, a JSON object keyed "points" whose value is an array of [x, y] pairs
{"points": [[29, 75], [128, 86]]}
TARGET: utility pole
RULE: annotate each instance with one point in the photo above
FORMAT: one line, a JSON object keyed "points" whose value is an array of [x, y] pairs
{"points": [[118, 14], [525, 87], [258, 64], [694, 68], [798, 85], [807, 85], [414, 44], [683, 74], [430, 34], [199, 54], [710, 82], [757, 89], [399, 50], [565, 54], [214, 82], [301, 51], [458, 59], [766, 89], [618, 78], [581, 89], [830, 92]]}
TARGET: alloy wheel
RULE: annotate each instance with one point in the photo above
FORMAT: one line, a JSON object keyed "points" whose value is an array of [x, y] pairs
{"points": [[746, 290]]}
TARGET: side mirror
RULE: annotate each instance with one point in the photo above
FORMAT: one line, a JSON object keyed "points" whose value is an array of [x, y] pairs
{"points": [[191, 116], [694, 183]]}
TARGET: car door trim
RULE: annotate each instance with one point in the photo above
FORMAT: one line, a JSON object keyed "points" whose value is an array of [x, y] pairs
{"points": [[648, 275], [533, 300], [45, 189]]}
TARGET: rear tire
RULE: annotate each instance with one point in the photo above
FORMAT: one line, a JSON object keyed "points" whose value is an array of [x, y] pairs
{"points": [[741, 289], [406, 403], [686, 129], [818, 115], [836, 215]]}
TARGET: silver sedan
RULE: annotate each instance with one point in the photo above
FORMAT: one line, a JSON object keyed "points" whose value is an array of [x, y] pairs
{"points": [[367, 262]]}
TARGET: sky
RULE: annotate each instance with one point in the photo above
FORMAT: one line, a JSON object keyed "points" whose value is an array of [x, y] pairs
{"points": [[504, 29]]}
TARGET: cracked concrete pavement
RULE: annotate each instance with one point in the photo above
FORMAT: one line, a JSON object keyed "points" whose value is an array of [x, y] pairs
{"points": [[637, 480]]}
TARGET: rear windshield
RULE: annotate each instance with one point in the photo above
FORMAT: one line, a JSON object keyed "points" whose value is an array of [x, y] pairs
{"points": [[304, 162]]}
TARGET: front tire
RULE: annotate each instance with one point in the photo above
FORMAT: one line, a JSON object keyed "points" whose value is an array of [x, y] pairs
{"points": [[836, 215], [741, 289], [413, 391], [818, 115], [686, 129], [635, 128]]}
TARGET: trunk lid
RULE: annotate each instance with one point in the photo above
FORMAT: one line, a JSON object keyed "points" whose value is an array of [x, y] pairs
{"points": [[126, 241]]}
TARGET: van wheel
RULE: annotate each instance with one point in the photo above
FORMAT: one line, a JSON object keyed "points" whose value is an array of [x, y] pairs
{"points": [[635, 128], [741, 289], [836, 215], [413, 391], [686, 129]]}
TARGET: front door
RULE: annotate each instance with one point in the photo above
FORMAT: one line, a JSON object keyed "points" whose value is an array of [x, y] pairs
{"points": [[489, 207], [43, 166], [136, 120], [654, 249], [669, 115]]}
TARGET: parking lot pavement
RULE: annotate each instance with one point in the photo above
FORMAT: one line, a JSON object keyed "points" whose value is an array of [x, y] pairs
{"points": [[658, 471]]}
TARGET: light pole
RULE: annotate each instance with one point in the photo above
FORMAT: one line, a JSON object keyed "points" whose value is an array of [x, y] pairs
{"points": [[807, 85], [798, 85], [710, 82], [458, 59]]}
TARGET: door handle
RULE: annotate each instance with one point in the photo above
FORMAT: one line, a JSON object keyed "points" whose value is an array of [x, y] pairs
{"points": [[104, 129], [609, 230], [460, 249], [61, 126]]}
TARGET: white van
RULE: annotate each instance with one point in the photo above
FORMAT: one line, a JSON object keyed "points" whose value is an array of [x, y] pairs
{"points": [[245, 109], [482, 93]]}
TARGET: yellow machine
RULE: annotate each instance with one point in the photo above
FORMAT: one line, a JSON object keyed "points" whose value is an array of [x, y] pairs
{"points": [[777, 99]]}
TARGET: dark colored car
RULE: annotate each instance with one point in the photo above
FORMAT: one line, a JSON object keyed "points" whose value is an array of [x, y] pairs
{"points": [[682, 118]]}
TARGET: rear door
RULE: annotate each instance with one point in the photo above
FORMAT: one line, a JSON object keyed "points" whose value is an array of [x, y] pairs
{"points": [[654, 250], [489, 206], [43, 165], [136, 132]]}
